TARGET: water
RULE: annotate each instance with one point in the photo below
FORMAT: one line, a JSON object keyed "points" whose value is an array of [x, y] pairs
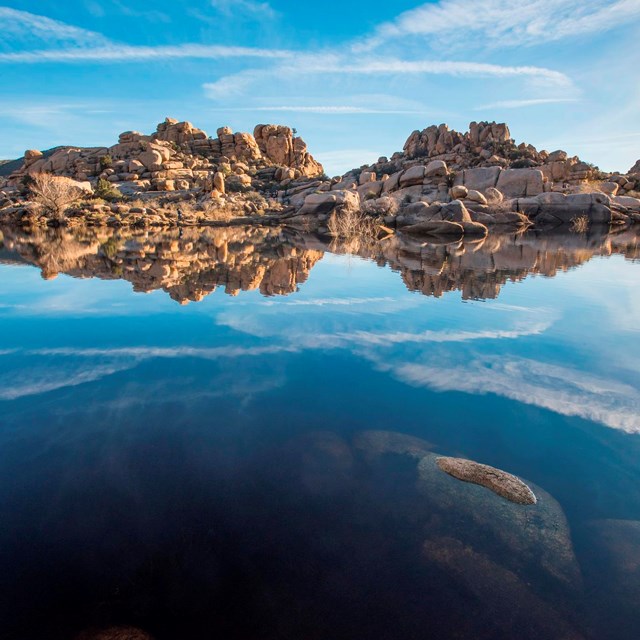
{"points": [[261, 464]]}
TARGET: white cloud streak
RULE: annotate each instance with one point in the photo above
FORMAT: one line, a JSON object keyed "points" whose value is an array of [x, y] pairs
{"points": [[127, 53], [506, 22], [22, 26], [247, 8], [517, 104], [368, 66], [324, 109]]}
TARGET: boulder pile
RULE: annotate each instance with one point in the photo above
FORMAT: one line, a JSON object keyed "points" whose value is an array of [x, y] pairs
{"points": [[450, 183], [443, 183], [180, 157]]}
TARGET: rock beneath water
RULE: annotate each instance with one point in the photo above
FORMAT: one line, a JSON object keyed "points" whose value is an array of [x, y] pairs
{"points": [[510, 603], [376, 443], [115, 633], [533, 539], [500, 482]]}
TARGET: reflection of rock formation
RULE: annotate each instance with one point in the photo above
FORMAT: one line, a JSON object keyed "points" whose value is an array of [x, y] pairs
{"points": [[480, 269], [192, 264], [188, 266]]}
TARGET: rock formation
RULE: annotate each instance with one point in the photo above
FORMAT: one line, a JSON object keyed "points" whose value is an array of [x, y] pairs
{"points": [[443, 184], [178, 156]]}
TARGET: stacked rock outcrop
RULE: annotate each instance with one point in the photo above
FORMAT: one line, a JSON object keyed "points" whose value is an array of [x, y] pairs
{"points": [[177, 157], [451, 183]]}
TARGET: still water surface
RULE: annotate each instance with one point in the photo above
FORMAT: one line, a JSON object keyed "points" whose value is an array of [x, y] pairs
{"points": [[259, 463]]}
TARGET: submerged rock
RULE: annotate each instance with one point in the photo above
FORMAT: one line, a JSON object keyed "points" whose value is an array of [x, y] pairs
{"points": [[376, 443], [509, 602], [115, 633], [532, 539], [500, 482]]}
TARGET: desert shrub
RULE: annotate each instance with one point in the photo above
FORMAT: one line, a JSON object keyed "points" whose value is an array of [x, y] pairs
{"points": [[214, 212], [105, 190], [523, 163], [54, 194], [348, 224], [106, 162], [236, 187]]}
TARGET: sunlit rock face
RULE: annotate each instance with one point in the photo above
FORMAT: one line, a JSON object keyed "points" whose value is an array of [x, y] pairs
{"points": [[193, 263], [177, 156]]}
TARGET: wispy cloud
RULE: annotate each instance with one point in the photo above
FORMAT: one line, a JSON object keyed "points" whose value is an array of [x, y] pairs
{"points": [[249, 8], [368, 66], [505, 22], [22, 27], [324, 109], [127, 53], [517, 104], [334, 65]]}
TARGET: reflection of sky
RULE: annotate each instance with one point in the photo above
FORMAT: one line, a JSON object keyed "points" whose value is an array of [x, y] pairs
{"points": [[568, 344]]}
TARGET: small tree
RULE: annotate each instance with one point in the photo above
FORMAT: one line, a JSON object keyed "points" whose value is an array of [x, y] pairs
{"points": [[105, 190], [54, 194], [106, 162]]}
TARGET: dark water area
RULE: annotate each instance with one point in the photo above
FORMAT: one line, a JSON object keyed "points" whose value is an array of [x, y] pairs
{"points": [[249, 450]]}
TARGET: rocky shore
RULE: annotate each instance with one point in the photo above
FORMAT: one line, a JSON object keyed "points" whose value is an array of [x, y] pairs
{"points": [[443, 184]]}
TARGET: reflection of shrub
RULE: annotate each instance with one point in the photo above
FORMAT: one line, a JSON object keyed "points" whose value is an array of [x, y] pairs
{"points": [[580, 224], [110, 248], [54, 194]]}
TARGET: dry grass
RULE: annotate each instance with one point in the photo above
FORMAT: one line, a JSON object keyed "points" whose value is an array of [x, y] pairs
{"points": [[54, 194], [580, 224], [352, 224], [216, 213]]}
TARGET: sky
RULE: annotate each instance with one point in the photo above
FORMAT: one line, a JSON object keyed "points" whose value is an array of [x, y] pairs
{"points": [[354, 78]]}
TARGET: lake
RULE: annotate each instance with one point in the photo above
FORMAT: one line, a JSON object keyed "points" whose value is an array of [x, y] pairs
{"points": [[248, 451]]}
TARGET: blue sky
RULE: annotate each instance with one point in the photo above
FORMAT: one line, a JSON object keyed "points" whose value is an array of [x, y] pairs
{"points": [[354, 78]]}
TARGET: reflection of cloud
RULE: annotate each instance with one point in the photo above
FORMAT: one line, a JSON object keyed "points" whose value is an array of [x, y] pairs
{"points": [[326, 302], [397, 337], [145, 353], [35, 381], [46, 380], [561, 389]]}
